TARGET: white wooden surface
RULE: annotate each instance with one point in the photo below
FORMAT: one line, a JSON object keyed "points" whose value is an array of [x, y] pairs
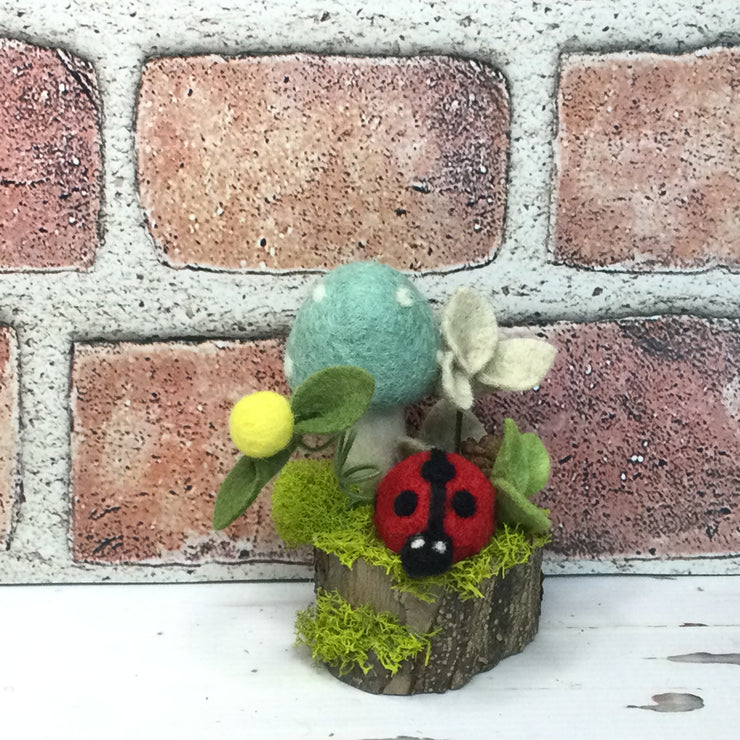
{"points": [[211, 661]]}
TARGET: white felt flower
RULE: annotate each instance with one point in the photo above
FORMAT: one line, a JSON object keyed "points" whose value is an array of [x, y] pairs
{"points": [[474, 354]]}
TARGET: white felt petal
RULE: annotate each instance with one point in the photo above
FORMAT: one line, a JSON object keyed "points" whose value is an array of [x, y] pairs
{"points": [[438, 428], [455, 384], [518, 365], [470, 330]]}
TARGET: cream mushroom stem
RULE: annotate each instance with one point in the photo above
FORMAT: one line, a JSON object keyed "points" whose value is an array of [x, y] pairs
{"points": [[377, 433]]}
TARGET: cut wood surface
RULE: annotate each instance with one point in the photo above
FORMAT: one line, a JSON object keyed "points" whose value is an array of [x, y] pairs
{"points": [[472, 635]]}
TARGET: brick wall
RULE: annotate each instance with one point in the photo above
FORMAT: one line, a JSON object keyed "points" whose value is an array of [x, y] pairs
{"points": [[170, 183]]}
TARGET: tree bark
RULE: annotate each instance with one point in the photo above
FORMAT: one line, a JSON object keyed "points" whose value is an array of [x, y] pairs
{"points": [[473, 636]]}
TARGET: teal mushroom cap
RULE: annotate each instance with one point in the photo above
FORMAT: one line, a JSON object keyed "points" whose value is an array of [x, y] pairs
{"points": [[369, 315]]}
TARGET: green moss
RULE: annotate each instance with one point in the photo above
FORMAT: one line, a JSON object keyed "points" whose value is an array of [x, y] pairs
{"points": [[343, 636], [309, 508], [306, 500]]}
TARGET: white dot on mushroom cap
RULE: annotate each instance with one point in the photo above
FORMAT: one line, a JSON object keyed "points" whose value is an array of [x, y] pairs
{"points": [[288, 366], [404, 297], [319, 292]]}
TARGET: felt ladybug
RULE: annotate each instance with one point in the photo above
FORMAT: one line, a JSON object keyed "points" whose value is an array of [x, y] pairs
{"points": [[434, 508]]}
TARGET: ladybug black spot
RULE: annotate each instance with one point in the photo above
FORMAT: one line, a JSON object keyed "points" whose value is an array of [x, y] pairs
{"points": [[463, 502], [405, 503]]}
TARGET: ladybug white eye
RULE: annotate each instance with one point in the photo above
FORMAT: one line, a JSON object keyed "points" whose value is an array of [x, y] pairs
{"points": [[439, 547], [417, 543]]}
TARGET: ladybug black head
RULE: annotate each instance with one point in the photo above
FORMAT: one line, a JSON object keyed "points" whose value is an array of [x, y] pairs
{"points": [[425, 555]]}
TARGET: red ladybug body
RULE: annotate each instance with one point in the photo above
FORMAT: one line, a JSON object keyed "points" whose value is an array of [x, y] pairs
{"points": [[434, 508]]}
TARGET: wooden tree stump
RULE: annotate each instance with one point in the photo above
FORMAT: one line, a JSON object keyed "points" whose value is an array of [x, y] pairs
{"points": [[473, 636]]}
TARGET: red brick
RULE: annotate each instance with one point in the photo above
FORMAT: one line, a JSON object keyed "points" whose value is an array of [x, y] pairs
{"points": [[151, 446], [9, 479], [649, 151], [309, 161], [49, 159], [642, 420]]}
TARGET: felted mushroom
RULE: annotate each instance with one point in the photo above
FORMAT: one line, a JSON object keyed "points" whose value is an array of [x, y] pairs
{"points": [[369, 315]]}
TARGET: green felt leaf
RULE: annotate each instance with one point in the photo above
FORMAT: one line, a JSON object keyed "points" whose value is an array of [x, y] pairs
{"points": [[522, 460], [332, 400], [511, 462], [514, 508], [242, 485], [538, 463]]}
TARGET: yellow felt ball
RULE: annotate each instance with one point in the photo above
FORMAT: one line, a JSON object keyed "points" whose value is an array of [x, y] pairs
{"points": [[261, 424]]}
